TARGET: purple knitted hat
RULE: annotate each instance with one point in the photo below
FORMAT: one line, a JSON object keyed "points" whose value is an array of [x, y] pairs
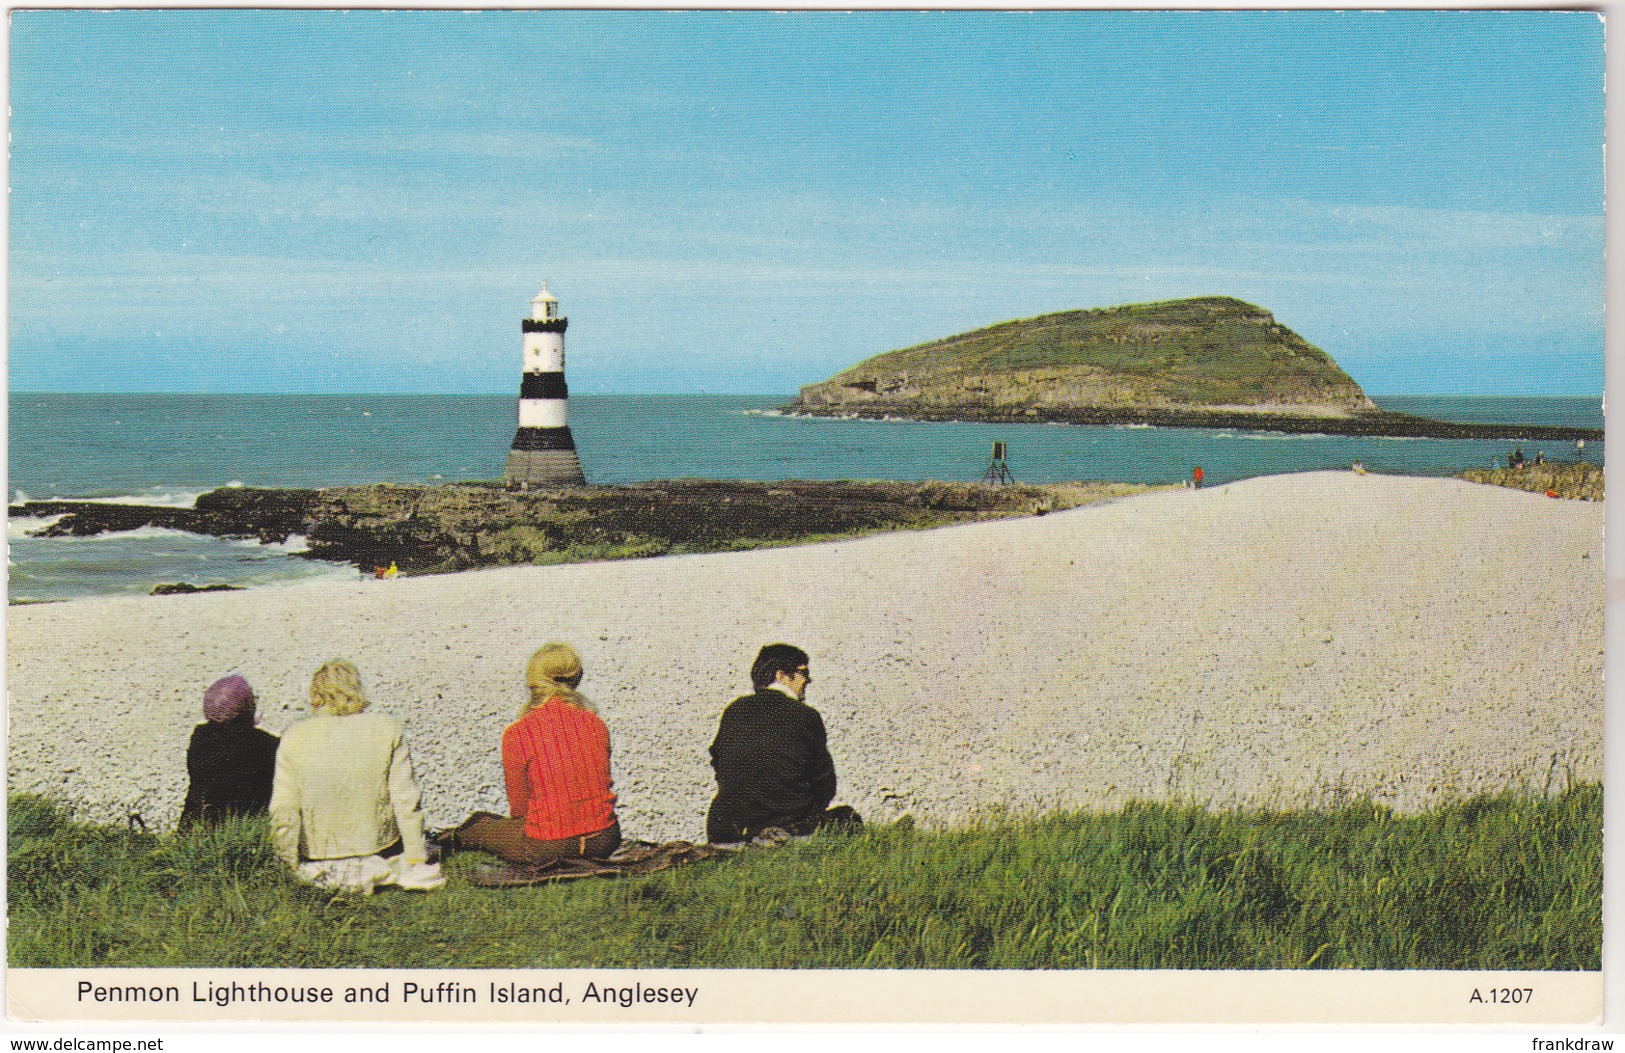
{"points": [[227, 698]]}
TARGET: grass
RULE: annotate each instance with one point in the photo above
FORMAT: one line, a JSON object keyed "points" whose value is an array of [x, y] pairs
{"points": [[1511, 881], [1575, 480]]}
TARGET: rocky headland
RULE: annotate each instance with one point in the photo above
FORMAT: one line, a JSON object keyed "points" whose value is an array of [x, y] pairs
{"points": [[462, 526], [1210, 362]]}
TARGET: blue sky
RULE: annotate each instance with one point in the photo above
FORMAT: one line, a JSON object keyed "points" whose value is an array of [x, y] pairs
{"points": [[747, 202]]}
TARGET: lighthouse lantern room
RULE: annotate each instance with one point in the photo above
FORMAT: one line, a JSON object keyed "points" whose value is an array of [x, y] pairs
{"points": [[543, 451]]}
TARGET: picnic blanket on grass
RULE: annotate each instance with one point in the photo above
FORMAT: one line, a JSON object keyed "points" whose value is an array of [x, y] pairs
{"points": [[632, 858]]}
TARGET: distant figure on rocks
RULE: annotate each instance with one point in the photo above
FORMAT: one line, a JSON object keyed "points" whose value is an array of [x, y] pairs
{"points": [[772, 758], [1197, 476], [1540, 457], [345, 810], [556, 761], [1579, 449], [230, 761]]}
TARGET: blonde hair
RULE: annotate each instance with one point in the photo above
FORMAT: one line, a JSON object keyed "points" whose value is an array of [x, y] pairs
{"points": [[336, 689], [553, 672]]}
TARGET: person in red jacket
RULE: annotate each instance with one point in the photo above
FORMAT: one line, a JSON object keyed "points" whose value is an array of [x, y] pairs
{"points": [[1197, 476], [556, 761]]}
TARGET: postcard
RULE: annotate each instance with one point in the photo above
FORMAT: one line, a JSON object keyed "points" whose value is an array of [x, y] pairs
{"points": [[689, 517]]}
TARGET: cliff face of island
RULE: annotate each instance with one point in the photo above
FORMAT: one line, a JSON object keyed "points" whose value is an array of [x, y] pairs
{"points": [[1207, 362]]}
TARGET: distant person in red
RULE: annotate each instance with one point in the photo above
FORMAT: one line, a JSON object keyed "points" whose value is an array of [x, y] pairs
{"points": [[1196, 476], [556, 760]]}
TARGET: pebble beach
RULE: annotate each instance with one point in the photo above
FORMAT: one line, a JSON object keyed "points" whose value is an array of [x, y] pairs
{"points": [[1283, 641]]}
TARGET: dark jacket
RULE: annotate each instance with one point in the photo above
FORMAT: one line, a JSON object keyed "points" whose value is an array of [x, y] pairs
{"points": [[231, 764], [772, 763]]}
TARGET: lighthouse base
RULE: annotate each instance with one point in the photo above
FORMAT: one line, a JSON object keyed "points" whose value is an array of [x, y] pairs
{"points": [[543, 468]]}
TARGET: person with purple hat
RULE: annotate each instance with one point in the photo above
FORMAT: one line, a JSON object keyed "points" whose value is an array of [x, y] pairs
{"points": [[231, 761]]}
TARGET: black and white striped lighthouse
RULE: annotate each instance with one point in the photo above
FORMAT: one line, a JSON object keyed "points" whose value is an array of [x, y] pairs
{"points": [[543, 450]]}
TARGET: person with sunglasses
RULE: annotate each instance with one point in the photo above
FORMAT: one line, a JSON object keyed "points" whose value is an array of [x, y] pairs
{"points": [[772, 758]]}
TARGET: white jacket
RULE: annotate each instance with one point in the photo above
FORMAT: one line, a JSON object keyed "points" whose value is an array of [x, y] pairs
{"points": [[344, 787]]}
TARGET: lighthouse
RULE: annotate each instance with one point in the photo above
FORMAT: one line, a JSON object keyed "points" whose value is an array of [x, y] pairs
{"points": [[543, 450]]}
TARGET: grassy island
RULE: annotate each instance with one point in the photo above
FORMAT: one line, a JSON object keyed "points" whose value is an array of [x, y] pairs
{"points": [[1207, 362]]}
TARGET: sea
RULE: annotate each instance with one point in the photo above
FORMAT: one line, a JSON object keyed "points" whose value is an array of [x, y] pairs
{"points": [[166, 449]]}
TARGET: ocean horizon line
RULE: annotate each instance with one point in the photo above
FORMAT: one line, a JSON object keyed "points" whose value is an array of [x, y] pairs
{"points": [[421, 394], [705, 394]]}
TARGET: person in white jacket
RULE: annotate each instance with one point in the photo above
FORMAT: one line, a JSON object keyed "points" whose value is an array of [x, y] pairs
{"points": [[345, 810]]}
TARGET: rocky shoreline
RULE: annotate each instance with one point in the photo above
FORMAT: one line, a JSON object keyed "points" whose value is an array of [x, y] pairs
{"points": [[1367, 423], [270, 516], [462, 526]]}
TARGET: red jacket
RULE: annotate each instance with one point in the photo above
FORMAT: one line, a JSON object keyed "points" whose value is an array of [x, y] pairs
{"points": [[556, 759]]}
